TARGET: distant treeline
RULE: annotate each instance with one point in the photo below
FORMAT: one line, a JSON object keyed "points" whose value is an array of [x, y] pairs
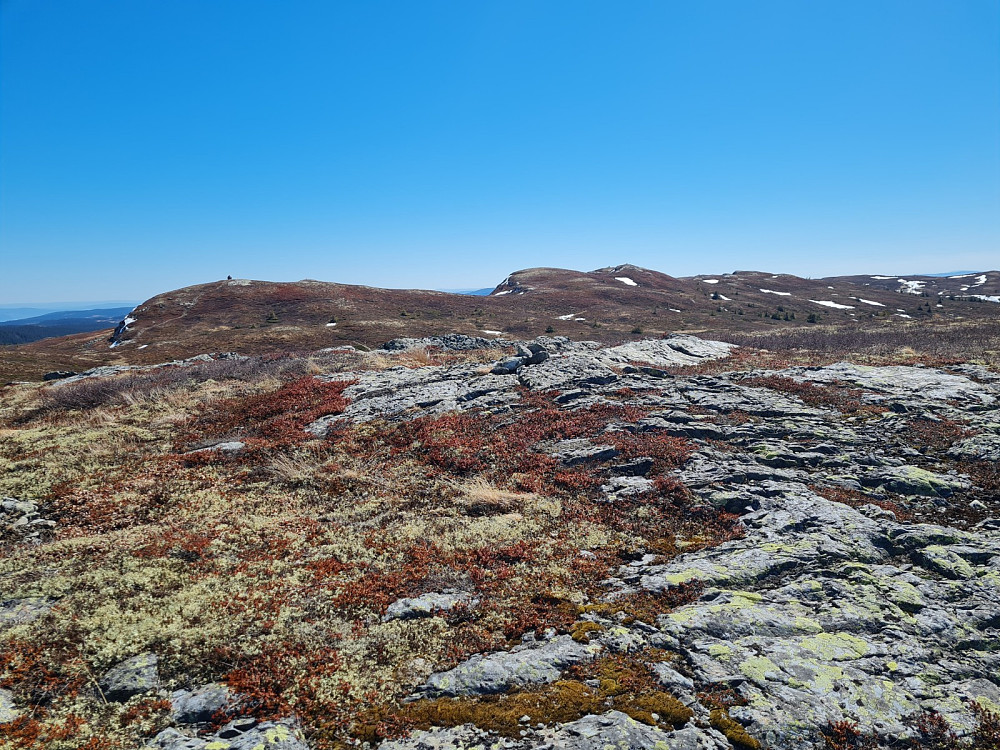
{"points": [[26, 334]]}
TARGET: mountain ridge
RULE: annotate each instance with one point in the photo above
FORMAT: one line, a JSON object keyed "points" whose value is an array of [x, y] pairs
{"points": [[610, 304]]}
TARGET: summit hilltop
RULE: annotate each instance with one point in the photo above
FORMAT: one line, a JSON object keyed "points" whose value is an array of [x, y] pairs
{"points": [[610, 305]]}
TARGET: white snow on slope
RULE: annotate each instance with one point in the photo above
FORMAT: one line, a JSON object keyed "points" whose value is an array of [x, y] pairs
{"points": [[869, 302], [962, 276], [625, 280], [826, 303], [883, 278], [980, 280], [710, 281], [129, 320], [492, 333], [771, 291], [903, 315], [986, 298], [722, 296], [911, 287], [505, 291]]}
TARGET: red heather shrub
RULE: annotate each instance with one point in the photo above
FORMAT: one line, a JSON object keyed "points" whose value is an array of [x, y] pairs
{"points": [[285, 679], [844, 735], [278, 417], [938, 434], [40, 673], [666, 451], [473, 443]]}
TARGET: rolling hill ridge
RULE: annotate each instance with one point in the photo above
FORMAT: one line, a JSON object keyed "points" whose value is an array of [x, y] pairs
{"points": [[610, 305]]}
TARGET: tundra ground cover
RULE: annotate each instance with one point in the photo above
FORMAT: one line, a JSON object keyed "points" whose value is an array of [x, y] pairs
{"points": [[271, 568], [274, 564]]}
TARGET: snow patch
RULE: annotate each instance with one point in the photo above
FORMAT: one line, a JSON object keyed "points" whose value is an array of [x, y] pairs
{"points": [[722, 296], [505, 291], [869, 302], [330, 325], [144, 346], [492, 333], [903, 315], [836, 305], [566, 317], [980, 280], [239, 282], [883, 278], [911, 287], [625, 280], [986, 298], [710, 281], [771, 291], [963, 276], [673, 309]]}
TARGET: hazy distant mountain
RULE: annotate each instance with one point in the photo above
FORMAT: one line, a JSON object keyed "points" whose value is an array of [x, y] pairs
{"points": [[949, 274], [472, 292], [59, 323], [16, 313]]}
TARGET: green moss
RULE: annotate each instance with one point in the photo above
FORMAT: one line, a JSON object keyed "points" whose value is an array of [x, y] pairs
{"points": [[582, 630], [720, 719], [657, 708]]}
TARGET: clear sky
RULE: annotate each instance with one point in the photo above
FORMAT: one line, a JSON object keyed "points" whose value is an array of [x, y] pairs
{"points": [[150, 144]]}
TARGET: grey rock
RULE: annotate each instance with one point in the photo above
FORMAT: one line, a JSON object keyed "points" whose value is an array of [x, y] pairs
{"points": [[199, 705], [529, 664], [20, 521], [133, 676], [8, 711], [507, 366], [670, 352], [15, 612], [618, 487], [465, 737], [912, 480], [573, 370], [672, 680], [984, 447], [427, 605], [617, 731], [900, 382], [231, 446], [579, 451], [453, 342], [241, 734]]}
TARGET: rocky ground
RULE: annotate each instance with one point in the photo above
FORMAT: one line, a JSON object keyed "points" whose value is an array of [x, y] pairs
{"points": [[861, 582]]}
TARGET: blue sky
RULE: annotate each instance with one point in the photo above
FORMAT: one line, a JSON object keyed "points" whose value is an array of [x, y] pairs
{"points": [[148, 145]]}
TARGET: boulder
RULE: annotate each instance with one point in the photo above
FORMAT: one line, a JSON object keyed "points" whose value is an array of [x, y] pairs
{"points": [[133, 676], [533, 663], [427, 605], [8, 711], [199, 705]]}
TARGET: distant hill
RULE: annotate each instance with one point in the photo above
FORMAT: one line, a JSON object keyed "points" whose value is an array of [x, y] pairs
{"points": [[59, 323], [471, 292], [610, 305]]}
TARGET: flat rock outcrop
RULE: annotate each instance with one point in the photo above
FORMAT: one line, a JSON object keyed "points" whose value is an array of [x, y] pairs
{"points": [[822, 611]]}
